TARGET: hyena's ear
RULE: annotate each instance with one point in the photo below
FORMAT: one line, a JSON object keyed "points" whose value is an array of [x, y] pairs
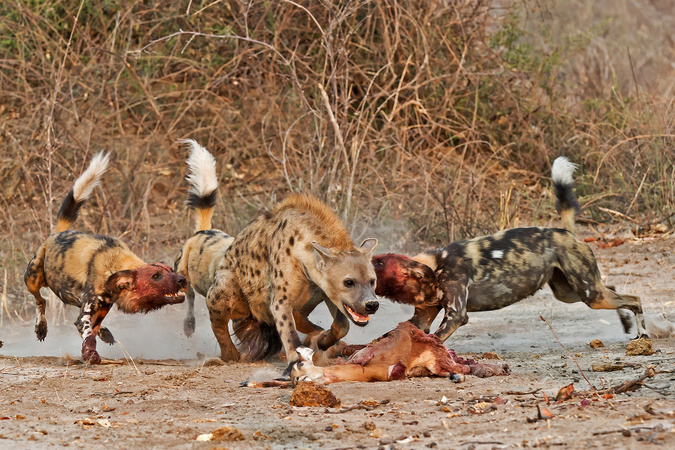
{"points": [[118, 281], [368, 246], [323, 257]]}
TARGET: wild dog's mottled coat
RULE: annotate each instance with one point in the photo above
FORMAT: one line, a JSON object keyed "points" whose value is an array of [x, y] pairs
{"points": [[201, 254], [94, 272], [279, 261], [495, 271]]}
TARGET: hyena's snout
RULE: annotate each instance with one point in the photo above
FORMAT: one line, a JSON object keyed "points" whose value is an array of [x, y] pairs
{"points": [[372, 306]]}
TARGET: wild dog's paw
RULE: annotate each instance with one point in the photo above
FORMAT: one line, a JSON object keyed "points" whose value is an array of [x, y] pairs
{"points": [[89, 353], [106, 336], [189, 326], [41, 329]]}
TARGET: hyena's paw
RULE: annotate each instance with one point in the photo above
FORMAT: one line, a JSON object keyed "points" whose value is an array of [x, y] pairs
{"points": [[106, 336], [189, 325], [41, 329]]}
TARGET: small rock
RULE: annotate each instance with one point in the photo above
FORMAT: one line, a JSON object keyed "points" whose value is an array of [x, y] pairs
{"points": [[637, 347], [369, 426], [308, 393], [596, 343]]}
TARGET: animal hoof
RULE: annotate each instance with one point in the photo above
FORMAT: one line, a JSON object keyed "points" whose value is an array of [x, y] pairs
{"points": [[41, 330], [106, 336], [287, 372], [189, 326], [456, 377]]}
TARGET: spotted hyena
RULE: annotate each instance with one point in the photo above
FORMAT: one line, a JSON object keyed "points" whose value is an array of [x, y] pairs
{"points": [[298, 251]]}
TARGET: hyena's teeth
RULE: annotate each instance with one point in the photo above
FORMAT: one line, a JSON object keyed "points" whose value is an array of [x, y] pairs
{"points": [[356, 317]]}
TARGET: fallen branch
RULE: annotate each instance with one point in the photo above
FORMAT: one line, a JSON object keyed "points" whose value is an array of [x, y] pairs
{"points": [[361, 405]]}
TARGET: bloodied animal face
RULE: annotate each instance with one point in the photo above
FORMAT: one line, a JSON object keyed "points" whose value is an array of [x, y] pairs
{"points": [[404, 280], [147, 288]]}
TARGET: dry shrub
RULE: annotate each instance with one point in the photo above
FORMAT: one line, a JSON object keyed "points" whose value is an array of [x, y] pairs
{"points": [[421, 122]]}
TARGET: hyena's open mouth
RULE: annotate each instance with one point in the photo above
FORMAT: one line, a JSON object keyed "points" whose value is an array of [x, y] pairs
{"points": [[358, 319]]}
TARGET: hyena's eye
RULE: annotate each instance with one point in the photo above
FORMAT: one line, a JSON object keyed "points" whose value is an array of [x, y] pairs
{"points": [[157, 276], [349, 283]]}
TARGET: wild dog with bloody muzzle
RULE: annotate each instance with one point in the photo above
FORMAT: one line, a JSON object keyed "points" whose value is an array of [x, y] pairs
{"points": [[202, 253], [492, 272], [95, 272], [297, 251]]}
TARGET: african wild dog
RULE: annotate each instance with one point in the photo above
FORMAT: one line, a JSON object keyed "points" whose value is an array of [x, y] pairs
{"points": [[283, 258], [491, 272], [94, 272], [202, 253]]}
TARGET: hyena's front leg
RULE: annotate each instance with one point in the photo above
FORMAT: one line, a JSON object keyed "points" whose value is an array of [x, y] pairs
{"points": [[223, 294], [282, 311], [88, 323]]}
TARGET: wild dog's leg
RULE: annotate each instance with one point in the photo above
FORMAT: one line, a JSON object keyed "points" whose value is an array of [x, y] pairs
{"points": [[624, 316], [222, 295], [608, 299], [424, 317], [106, 336], [93, 311], [34, 277], [455, 295], [580, 269], [189, 320]]}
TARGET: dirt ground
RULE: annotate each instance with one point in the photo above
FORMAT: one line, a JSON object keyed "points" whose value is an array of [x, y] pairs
{"points": [[158, 394]]}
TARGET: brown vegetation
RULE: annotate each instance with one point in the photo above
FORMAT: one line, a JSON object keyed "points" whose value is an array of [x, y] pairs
{"points": [[439, 117]]}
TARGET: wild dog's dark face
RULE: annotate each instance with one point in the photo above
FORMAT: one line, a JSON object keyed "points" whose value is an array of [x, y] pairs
{"points": [[404, 280], [349, 280], [146, 289]]}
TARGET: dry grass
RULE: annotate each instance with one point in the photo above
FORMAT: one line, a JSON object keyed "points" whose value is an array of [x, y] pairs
{"points": [[436, 119]]}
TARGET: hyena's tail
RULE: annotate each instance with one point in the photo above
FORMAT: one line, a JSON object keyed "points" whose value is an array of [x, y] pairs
{"points": [[563, 185], [258, 340], [81, 191], [203, 184]]}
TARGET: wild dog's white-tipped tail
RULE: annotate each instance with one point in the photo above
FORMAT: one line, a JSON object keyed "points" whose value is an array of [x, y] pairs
{"points": [[90, 178], [203, 183], [81, 191], [202, 169], [563, 170], [563, 185]]}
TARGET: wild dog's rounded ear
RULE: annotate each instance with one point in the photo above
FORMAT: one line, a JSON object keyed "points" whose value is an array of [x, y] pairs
{"points": [[368, 246], [118, 281], [421, 271], [323, 256]]}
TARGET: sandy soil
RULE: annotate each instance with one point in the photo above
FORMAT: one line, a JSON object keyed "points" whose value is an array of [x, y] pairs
{"points": [[158, 394]]}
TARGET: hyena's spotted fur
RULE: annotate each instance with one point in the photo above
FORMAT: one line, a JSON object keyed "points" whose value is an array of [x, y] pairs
{"points": [[202, 253], [297, 251], [94, 272]]}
